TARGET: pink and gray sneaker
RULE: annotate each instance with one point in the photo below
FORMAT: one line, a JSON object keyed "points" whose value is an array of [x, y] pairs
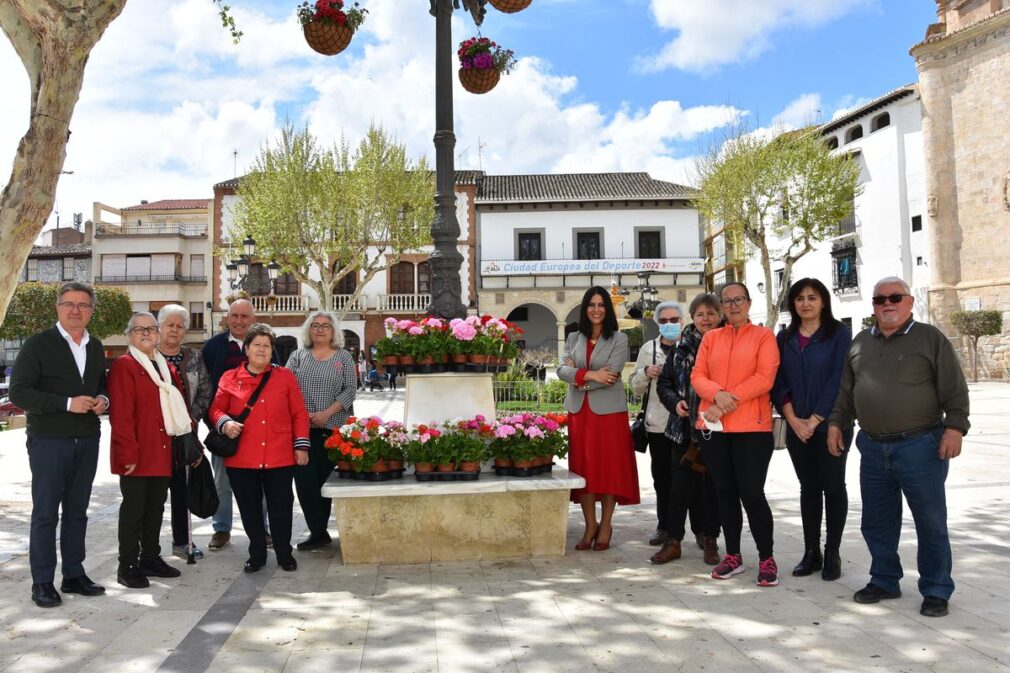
{"points": [[731, 564], [768, 573]]}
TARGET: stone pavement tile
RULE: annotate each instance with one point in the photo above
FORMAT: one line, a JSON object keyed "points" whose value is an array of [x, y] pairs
{"points": [[393, 657], [319, 659], [557, 654], [333, 630], [266, 631], [384, 631], [532, 618], [489, 656], [626, 654], [138, 662], [591, 620], [459, 621], [155, 632], [249, 661], [517, 570]]}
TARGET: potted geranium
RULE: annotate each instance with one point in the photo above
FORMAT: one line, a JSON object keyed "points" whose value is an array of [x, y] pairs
{"points": [[327, 26], [482, 63], [418, 450]]}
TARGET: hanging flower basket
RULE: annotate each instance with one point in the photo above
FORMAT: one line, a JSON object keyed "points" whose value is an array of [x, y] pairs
{"points": [[482, 63], [478, 81], [327, 27], [510, 6], [327, 38]]}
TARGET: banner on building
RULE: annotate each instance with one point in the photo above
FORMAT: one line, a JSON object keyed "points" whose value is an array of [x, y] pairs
{"points": [[575, 267]]}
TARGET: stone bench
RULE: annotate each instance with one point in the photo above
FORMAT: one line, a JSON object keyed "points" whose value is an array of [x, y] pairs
{"points": [[406, 521]]}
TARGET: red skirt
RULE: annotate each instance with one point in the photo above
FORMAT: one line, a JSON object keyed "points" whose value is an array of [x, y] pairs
{"points": [[601, 450]]}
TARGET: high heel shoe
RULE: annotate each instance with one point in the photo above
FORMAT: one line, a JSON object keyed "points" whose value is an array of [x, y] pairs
{"points": [[583, 546], [602, 546]]}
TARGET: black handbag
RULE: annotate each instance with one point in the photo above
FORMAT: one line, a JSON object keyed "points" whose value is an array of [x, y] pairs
{"points": [[187, 449], [201, 493], [223, 445], [639, 434]]}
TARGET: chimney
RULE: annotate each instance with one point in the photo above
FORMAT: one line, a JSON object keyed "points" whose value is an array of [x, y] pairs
{"points": [[89, 229], [143, 202]]}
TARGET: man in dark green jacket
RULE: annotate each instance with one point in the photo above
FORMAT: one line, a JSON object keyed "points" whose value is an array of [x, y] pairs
{"points": [[59, 379]]}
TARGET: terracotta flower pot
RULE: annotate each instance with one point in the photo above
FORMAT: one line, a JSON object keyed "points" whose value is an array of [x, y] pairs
{"points": [[328, 39], [478, 80], [522, 463], [510, 6], [344, 465], [423, 467], [503, 462], [394, 465], [478, 358], [391, 360], [406, 359], [379, 466], [427, 360], [459, 358], [446, 467], [469, 467]]}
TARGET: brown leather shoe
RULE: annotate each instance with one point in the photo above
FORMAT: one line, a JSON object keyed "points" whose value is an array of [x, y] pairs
{"points": [[711, 547], [218, 540], [669, 552]]}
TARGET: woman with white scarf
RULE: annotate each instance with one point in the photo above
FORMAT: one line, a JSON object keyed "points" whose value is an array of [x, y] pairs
{"points": [[152, 411]]}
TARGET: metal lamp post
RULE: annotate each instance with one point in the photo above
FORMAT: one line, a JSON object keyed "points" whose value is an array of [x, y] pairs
{"points": [[446, 260], [238, 269]]}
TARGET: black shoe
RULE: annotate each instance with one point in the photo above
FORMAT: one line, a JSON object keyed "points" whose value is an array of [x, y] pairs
{"points": [[811, 561], [315, 542], [700, 540], [832, 565], [156, 567], [251, 566], [270, 541], [871, 593], [45, 595], [81, 585], [288, 564], [933, 606], [660, 537], [131, 577]]}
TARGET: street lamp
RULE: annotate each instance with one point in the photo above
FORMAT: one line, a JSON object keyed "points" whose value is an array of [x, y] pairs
{"points": [[238, 269]]}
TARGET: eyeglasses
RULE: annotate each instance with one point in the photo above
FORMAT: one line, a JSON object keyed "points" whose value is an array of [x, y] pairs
{"points": [[144, 330], [321, 326], [70, 306], [735, 301], [663, 321], [893, 298]]}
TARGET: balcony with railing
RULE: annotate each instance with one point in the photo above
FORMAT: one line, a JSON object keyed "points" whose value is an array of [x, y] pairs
{"points": [[150, 278], [103, 229], [403, 303], [280, 303], [342, 302]]}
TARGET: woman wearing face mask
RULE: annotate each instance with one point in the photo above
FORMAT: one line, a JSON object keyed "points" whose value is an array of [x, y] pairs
{"points": [[651, 358]]}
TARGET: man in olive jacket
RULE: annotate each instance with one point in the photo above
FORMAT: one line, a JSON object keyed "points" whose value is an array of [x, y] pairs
{"points": [[59, 379]]}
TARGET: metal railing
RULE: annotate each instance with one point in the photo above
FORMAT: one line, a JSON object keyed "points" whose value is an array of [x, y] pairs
{"points": [[342, 302], [153, 229], [403, 303], [151, 278], [541, 396], [280, 303]]}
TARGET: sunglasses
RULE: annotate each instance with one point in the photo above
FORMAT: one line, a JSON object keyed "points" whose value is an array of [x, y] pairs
{"points": [[663, 321], [895, 298]]}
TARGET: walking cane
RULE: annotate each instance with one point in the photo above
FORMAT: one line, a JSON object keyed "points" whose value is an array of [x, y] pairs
{"points": [[190, 558]]}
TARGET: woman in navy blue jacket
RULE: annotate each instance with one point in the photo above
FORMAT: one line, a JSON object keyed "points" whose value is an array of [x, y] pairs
{"points": [[812, 352]]}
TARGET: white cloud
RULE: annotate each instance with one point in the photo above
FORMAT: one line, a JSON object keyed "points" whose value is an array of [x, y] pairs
{"points": [[803, 111], [717, 32], [167, 98]]}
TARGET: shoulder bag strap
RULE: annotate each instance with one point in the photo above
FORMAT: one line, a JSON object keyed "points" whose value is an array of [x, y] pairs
{"points": [[252, 398], [648, 388]]}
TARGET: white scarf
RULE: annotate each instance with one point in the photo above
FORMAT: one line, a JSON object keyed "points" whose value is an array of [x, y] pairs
{"points": [[173, 407]]}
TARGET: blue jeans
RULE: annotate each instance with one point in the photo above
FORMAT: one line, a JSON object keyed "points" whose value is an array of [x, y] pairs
{"points": [[911, 467], [222, 518]]}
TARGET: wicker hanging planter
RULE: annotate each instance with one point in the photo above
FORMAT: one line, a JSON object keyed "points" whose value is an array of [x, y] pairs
{"points": [[328, 39], [510, 6], [478, 80]]}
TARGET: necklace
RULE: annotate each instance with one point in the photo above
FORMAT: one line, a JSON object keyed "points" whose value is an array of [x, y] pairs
{"points": [[594, 339], [808, 332]]}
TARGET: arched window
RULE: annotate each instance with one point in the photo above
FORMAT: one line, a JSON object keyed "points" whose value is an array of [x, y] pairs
{"points": [[423, 278], [833, 143], [880, 121], [286, 283], [854, 133], [401, 278], [347, 284]]}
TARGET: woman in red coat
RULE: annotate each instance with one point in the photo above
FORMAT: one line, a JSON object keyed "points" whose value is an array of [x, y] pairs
{"points": [[148, 412], [272, 440]]}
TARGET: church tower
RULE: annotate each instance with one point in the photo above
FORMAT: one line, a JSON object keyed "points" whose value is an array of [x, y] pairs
{"points": [[964, 83]]}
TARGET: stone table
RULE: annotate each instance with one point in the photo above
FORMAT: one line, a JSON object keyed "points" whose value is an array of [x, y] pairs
{"points": [[406, 521]]}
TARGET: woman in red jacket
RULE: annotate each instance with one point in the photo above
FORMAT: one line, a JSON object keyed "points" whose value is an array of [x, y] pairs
{"points": [[272, 440], [733, 375], [149, 411]]}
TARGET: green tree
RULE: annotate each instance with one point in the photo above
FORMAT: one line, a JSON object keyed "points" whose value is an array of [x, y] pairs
{"points": [[33, 309], [780, 195], [322, 213], [976, 324]]}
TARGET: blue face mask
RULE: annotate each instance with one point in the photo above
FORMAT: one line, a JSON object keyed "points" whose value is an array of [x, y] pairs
{"points": [[670, 331]]}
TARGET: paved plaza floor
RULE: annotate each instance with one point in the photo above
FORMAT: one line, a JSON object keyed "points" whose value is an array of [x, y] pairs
{"points": [[588, 611]]}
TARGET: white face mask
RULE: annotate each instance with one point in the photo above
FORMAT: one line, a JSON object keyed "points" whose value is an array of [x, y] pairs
{"points": [[711, 426]]}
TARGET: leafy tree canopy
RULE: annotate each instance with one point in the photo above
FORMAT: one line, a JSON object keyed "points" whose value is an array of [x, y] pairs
{"points": [[33, 309]]}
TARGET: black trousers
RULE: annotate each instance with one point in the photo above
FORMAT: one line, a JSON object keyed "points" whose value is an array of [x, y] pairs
{"points": [[63, 470], [140, 516], [822, 487], [309, 480], [738, 463], [250, 486], [179, 509], [681, 492]]}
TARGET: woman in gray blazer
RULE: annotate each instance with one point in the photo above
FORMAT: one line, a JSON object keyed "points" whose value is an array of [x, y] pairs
{"points": [[601, 449]]}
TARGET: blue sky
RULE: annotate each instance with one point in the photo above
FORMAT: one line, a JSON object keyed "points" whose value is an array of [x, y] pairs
{"points": [[622, 85]]}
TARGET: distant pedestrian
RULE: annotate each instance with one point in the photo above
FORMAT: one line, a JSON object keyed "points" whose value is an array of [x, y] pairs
{"points": [[58, 378], [391, 374], [902, 381]]}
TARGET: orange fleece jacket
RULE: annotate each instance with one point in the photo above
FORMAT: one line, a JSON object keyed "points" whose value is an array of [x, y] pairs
{"points": [[742, 362]]}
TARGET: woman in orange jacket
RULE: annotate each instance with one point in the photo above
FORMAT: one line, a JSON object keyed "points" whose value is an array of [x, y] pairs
{"points": [[733, 375], [272, 440]]}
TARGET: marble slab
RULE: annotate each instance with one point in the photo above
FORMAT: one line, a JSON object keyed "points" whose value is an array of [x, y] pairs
{"points": [[435, 398], [558, 479]]}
